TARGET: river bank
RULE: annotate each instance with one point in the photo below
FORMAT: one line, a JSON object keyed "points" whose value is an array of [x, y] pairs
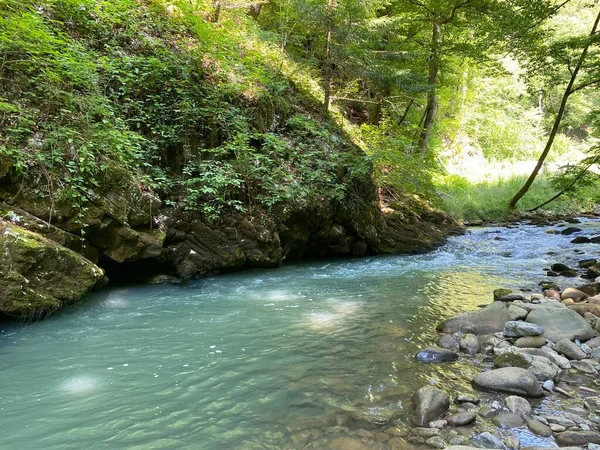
{"points": [[537, 355]]}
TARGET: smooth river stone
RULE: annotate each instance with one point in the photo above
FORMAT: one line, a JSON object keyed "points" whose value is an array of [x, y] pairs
{"points": [[569, 349], [516, 312], [573, 293], [461, 419], [561, 323], [507, 420], [518, 405], [514, 328], [530, 342], [428, 405], [512, 380], [539, 428], [435, 354], [469, 344], [488, 320], [571, 438]]}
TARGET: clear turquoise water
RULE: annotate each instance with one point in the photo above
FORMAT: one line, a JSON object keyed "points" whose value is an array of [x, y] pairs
{"points": [[265, 359]]}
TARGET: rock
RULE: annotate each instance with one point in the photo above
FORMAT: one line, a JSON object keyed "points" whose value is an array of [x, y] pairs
{"points": [[434, 354], [488, 320], [581, 240], [530, 342], [584, 366], [517, 329], [572, 438], [435, 442], [559, 267], [557, 359], [39, 276], [512, 380], [487, 342], [582, 308], [539, 428], [487, 440], [517, 313], [501, 292], [569, 349], [561, 323], [448, 341], [596, 354], [518, 405], [593, 320], [543, 369], [593, 272], [594, 343], [461, 419], [428, 405], [510, 359], [347, 443], [585, 263], [507, 420], [512, 441], [438, 424], [509, 298], [425, 432], [469, 344], [467, 398], [572, 273], [573, 293], [548, 385], [570, 230], [556, 428]]}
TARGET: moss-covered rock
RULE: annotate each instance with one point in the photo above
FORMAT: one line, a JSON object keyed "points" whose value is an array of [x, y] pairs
{"points": [[40, 276]]}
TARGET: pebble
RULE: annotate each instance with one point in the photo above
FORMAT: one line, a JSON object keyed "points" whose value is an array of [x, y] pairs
{"points": [[467, 398], [461, 419], [436, 442], [548, 385], [438, 424]]}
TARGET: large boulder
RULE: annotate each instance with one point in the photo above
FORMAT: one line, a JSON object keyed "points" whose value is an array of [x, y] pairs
{"points": [[428, 405], [488, 320], [561, 323], [512, 380], [39, 276]]}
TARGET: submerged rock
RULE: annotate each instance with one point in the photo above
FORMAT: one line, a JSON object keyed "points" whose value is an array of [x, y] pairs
{"points": [[428, 405], [434, 354], [488, 320], [487, 440], [512, 380], [469, 344]]}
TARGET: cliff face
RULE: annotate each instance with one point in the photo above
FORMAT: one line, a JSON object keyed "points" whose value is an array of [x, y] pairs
{"points": [[140, 140]]}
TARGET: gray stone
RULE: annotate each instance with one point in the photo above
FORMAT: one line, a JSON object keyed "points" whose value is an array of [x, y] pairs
{"points": [[435, 442], [425, 432], [585, 367], [516, 312], [487, 440], [435, 354], [594, 343], [513, 380], [543, 369], [512, 441], [469, 344], [515, 328], [507, 420], [557, 359], [488, 320], [548, 385], [461, 419], [539, 428], [518, 405], [561, 323], [530, 342], [467, 398], [429, 404], [569, 349], [572, 438], [556, 428], [596, 353], [447, 341]]}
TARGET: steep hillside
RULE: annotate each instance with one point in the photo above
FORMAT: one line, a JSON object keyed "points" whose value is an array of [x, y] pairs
{"points": [[151, 142]]}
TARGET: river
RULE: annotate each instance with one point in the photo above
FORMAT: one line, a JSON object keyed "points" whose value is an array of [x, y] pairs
{"points": [[264, 359]]}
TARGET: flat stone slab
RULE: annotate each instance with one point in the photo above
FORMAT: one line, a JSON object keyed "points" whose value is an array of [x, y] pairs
{"points": [[516, 328], [488, 320]]}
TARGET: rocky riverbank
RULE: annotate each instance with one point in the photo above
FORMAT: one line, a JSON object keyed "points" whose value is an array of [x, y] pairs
{"points": [[539, 361]]}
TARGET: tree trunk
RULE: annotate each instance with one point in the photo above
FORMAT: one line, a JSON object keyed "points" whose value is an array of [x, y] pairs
{"points": [[216, 12], [327, 87], [561, 111], [433, 67]]}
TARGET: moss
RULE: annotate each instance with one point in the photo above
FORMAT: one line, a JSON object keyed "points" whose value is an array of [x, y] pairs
{"points": [[511, 360]]}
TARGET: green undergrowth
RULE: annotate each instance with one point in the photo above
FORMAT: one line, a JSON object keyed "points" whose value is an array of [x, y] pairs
{"points": [[97, 95], [488, 201]]}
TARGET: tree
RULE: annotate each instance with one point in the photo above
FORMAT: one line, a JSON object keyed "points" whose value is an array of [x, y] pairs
{"points": [[570, 90]]}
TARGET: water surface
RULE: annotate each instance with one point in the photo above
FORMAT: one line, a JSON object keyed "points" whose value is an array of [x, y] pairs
{"points": [[265, 359]]}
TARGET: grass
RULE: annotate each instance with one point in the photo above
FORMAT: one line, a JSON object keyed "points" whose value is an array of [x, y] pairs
{"points": [[488, 200]]}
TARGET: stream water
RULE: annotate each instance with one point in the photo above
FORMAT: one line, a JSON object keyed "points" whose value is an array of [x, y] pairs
{"points": [[264, 359]]}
